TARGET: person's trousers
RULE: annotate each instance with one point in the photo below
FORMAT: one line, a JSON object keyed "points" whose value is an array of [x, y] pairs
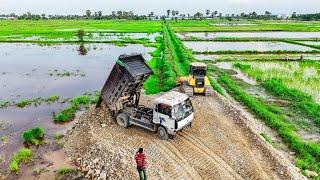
{"points": [[142, 174]]}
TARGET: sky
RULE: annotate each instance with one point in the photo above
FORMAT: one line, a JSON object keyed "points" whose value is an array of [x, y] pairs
{"points": [[158, 6]]}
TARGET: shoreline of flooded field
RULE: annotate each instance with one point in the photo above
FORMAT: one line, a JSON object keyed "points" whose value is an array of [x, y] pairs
{"points": [[210, 46], [36, 71], [273, 34]]}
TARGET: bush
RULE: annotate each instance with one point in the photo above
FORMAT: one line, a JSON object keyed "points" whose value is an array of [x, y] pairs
{"points": [[23, 155], [33, 136]]}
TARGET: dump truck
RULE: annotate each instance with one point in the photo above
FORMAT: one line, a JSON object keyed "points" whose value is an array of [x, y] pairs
{"points": [[169, 113], [197, 82]]}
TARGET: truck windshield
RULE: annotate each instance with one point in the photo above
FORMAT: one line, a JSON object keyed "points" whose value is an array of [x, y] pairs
{"points": [[182, 110]]}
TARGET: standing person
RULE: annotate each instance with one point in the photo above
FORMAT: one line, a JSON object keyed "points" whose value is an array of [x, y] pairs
{"points": [[141, 162]]}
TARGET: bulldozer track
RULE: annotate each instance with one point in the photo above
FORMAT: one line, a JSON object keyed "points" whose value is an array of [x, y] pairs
{"points": [[214, 147], [201, 147]]}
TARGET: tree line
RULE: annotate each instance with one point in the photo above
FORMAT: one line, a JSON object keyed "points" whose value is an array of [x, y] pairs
{"points": [[170, 14]]}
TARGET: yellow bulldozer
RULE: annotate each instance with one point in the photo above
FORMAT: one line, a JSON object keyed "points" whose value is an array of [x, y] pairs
{"points": [[197, 82]]}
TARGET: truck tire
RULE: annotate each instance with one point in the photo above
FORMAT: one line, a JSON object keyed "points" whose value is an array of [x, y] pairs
{"points": [[162, 133], [122, 120]]}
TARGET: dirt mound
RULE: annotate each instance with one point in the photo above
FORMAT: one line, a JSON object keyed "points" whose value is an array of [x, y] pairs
{"points": [[220, 145]]}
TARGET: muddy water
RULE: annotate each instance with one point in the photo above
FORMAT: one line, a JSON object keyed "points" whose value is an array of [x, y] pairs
{"points": [[202, 46], [25, 73], [239, 74], [214, 35]]}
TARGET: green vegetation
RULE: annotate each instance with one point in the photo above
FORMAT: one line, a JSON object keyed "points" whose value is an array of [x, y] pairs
{"points": [[152, 85], [64, 170], [23, 155], [173, 64], [308, 153], [67, 29], [52, 99], [68, 113], [4, 104], [36, 101], [259, 25], [303, 76], [65, 73], [248, 52], [300, 101], [33, 136]]}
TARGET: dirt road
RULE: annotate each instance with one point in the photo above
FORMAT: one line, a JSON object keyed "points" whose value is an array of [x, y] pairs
{"points": [[219, 145]]}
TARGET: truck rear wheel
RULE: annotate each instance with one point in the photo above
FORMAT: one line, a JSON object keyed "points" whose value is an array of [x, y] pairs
{"points": [[162, 133], [122, 120]]}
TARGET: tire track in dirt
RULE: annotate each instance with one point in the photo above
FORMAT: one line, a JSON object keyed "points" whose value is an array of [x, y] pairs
{"points": [[215, 147]]}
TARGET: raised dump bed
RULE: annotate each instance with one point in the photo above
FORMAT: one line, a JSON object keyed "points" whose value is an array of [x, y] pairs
{"points": [[124, 83]]}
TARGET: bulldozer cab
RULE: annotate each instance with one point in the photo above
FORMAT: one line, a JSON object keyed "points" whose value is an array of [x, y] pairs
{"points": [[198, 69]]}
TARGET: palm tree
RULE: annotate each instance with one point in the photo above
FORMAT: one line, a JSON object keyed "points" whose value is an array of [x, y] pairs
{"points": [[88, 14], [207, 12], [100, 14], [168, 12]]}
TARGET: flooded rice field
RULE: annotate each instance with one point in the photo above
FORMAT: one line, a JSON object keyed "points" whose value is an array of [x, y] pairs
{"points": [[271, 57], [280, 34], [68, 70], [93, 36], [203, 46], [303, 76], [119, 36], [239, 74]]}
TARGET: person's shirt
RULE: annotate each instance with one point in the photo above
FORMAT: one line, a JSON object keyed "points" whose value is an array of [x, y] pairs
{"points": [[140, 160]]}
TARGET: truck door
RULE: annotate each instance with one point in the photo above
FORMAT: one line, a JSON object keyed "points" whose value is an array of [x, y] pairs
{"points": [[164, 116]]}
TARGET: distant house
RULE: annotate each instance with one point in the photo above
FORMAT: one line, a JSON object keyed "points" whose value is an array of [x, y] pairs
{"points": [[284, 16]]}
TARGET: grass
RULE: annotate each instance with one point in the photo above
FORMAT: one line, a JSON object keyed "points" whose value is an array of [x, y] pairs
{"points": [[67, 29], [300, 101], [23, 155], [153, 83], [64, 170], [303, 76], [33, 136], [249, 52], [308, 153], [260, 25], [66, 73], [68, 113], [37, 101]]}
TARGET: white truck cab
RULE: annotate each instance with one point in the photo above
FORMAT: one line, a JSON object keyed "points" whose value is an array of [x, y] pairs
{"points": [[173, 111]]}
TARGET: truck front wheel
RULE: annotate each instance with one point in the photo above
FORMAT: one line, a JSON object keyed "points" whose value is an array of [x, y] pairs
{"points": [[162, 133], [123, 120]]}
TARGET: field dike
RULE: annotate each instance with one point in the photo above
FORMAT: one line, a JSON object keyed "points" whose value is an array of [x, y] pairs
{"points": [[221, 144]]}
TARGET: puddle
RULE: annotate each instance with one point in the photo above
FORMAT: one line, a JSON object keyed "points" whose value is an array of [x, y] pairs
{"points": [[235, 57], [201, 46], [280, 34], [27, 68], [239, 74]]}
